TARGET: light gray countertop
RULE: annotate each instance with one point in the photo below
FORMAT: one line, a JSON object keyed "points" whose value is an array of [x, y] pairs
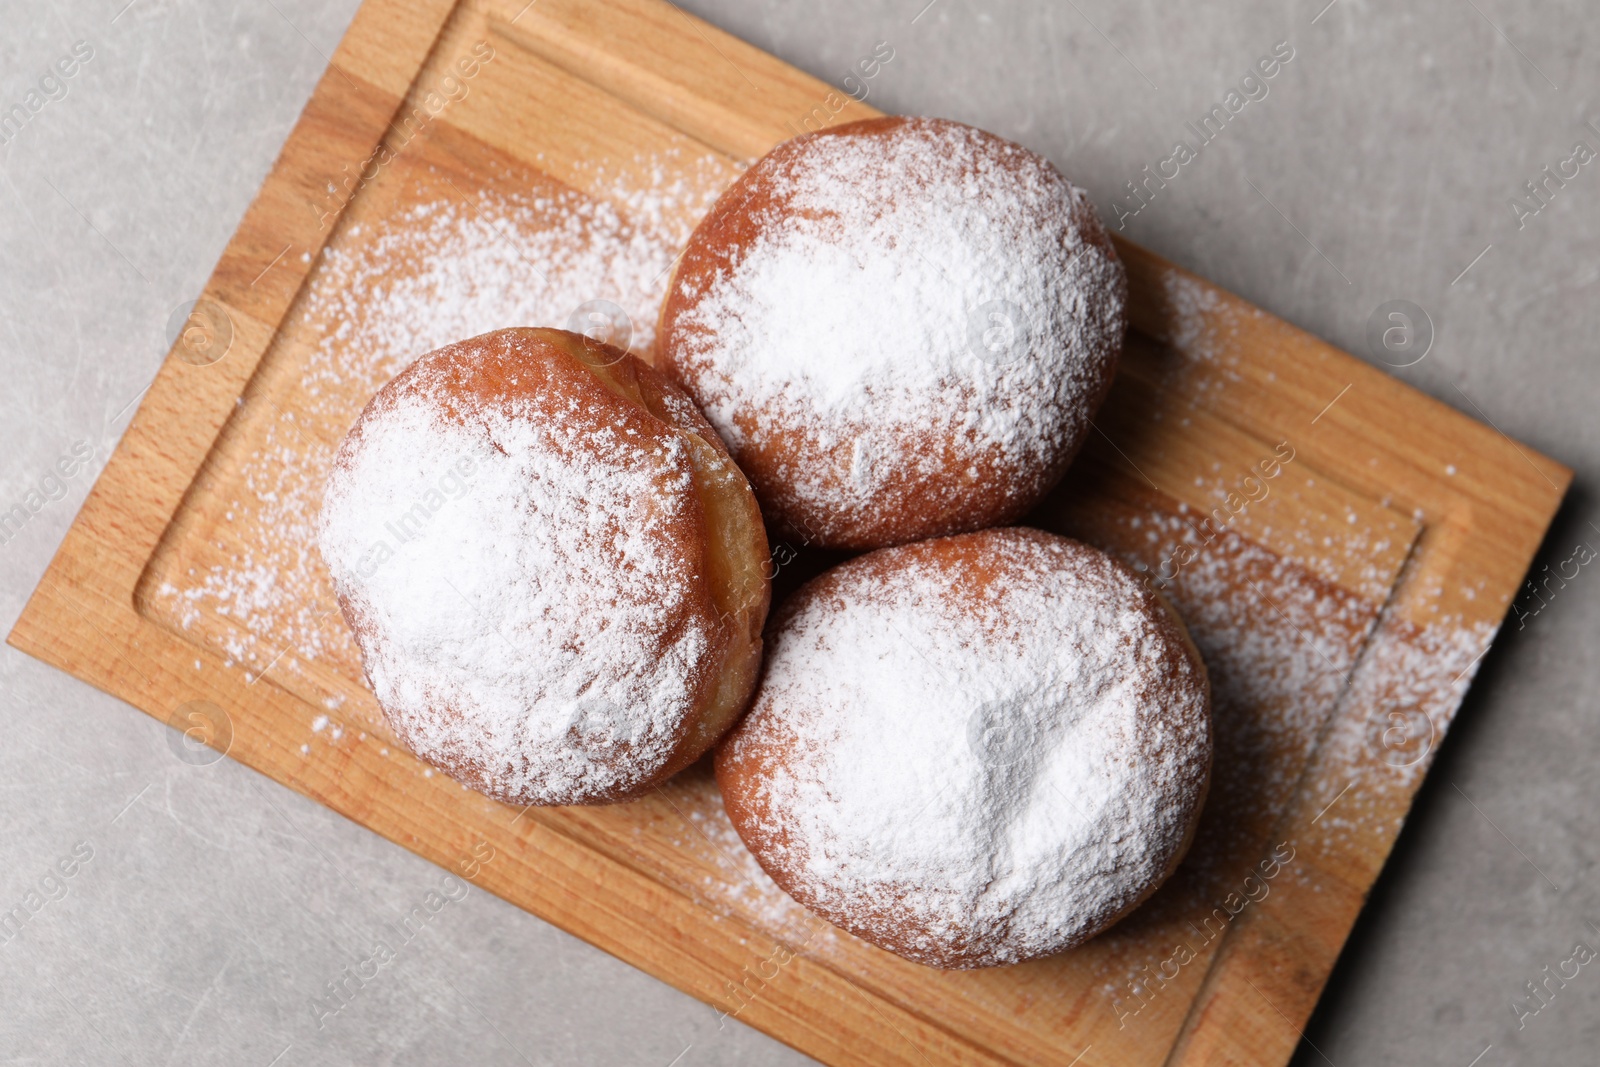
{"points": [[1382, 163]]}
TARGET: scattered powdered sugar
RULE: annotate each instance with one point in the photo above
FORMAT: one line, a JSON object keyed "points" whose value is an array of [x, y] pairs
{"points": [[1413, 679], [447, 269], [914, 301], [1194, 308], [266, 604], [977, 770], [526, 623]]}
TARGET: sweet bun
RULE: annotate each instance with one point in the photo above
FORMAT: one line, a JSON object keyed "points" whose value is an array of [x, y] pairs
{"points": [[901, 328], [974, 750], [554, 572]]}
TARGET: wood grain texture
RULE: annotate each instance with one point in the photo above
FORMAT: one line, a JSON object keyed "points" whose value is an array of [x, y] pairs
{"points": [[1341, 615]]}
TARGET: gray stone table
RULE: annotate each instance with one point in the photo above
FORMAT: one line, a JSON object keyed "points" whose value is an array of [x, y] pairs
{"points": [[207, 906]]}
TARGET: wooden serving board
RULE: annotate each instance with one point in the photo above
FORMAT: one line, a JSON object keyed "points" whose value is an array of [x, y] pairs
{"points": [[1342, 546]]}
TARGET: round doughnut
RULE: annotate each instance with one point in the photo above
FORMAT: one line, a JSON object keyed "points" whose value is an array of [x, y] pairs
{"points": [[901, 328], [974, 750], [555, 574]]}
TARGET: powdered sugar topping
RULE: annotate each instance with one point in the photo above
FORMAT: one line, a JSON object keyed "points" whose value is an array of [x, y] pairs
{"points": [[911, 300], [995, 771], [519, 590]]}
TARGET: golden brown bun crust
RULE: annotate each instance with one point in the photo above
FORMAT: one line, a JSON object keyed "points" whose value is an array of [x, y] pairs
{"points": [[938, 481], [765, 749], [717, 535]]}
